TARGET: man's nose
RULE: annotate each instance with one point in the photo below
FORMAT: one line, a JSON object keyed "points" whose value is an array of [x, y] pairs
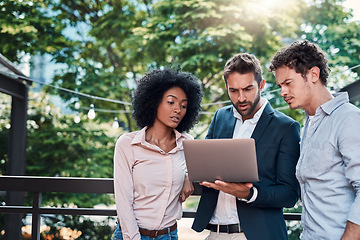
{"points": [[283, 91], [242, 97]]}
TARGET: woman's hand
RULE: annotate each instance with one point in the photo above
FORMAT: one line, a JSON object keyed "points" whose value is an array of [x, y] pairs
{"points": [[187, 189]]}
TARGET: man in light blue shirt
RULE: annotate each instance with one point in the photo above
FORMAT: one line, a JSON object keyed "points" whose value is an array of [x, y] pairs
{"points": [[329, 165]]}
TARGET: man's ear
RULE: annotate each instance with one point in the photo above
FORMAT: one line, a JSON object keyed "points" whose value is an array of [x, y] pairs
{"points": [[262, 84], [314, 74]]}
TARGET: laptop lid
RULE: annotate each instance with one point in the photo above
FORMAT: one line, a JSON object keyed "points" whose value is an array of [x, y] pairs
{"points": [[229, 160]]}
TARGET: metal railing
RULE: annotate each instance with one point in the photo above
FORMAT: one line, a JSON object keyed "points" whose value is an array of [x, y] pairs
{"points": [[39, 185]]}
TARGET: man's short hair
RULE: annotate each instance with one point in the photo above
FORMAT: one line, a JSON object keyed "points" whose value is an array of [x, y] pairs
{"points": [[302, 56], [243, 63]]}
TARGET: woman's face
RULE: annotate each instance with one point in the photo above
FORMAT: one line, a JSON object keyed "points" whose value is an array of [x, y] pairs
{"points": [[172, 107]]}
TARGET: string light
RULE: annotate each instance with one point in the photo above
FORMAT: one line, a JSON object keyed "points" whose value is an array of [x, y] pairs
{"points": [[116, 124], [75, 92], [91, 113], [77, 118], [77, 105]]}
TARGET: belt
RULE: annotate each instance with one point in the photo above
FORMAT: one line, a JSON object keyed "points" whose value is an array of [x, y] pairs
{"points": [[155, 233], [231, 228]]}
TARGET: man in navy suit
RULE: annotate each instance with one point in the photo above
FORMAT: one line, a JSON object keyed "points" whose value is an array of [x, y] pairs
{"points": [[252, 211]]}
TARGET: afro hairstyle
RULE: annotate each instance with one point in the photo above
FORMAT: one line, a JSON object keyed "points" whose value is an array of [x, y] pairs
{"points": [[150, 91]]}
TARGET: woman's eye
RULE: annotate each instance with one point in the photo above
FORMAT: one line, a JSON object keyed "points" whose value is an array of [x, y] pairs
{"points": [[170, 102], [184, 106]]}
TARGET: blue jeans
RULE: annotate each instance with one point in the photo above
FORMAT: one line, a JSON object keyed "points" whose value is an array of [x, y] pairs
{"points": [[170, 236]]}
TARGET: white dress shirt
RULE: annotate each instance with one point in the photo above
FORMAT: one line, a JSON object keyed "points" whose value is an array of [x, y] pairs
{"points": [[226, 212]]}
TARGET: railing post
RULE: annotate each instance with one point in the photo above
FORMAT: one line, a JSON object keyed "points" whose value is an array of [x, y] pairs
{"points": [[13, 222], [36, 217]]}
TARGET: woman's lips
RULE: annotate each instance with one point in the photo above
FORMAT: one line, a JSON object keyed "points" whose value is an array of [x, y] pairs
{"points": [[175, 118]]}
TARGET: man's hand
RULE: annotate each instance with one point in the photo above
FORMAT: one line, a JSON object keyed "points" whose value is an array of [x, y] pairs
{"points": [[352, 231], [239, 190], [187, 189]]}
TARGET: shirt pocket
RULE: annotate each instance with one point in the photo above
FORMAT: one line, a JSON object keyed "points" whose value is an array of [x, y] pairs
{"points": [[319, 157]]}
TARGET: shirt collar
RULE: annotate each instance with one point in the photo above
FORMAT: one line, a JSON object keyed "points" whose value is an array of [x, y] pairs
{"points": [[328, 107], [257, 115], [140, 137], [338, 100]]}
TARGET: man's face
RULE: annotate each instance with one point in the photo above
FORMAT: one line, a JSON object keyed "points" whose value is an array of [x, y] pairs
{"points": [[294, 88], [244, 93]]}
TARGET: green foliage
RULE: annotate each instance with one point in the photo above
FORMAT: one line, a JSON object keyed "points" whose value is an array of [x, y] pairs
{"points": [[28, 27], [81, 227], [58, 141], [5, 103], [59, 147], [335, 32], [108, 58], [89, 229], [294, 227]]}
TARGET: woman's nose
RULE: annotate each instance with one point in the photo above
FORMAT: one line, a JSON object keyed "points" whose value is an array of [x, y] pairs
{"points": [[177, 109]]}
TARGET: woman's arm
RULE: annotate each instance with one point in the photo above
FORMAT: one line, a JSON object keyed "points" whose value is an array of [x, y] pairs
{"points": [[187, 189], [124, 188]]}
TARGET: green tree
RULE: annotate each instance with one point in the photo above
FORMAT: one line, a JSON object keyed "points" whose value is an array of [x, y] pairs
{"points": [[127, 38], [27, 27], [5, 103], [57, 147], [109, 56], [204, 34], [337, 34]]}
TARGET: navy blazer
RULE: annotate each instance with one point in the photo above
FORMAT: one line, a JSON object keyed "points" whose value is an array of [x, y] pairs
{"points": [[277, 138]]}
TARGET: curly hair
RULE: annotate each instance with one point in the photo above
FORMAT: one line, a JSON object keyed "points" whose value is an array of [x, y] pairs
{"points": [[150, 91], [302, 56], [243, 63]]}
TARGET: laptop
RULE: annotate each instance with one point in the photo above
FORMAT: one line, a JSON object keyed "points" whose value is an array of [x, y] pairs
{"points": [[229, 160]]}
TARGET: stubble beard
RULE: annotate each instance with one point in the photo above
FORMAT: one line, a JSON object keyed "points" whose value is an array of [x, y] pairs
{"points": [[252, 106]]}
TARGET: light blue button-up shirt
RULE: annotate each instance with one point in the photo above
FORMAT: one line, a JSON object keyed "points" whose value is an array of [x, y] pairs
{"points": [[329, 169]]}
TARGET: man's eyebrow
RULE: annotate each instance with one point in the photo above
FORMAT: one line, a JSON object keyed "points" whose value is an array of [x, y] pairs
{"points": [[248, 86], [287, 79]]}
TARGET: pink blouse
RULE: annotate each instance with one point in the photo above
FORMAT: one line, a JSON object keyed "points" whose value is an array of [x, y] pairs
{"points": [[147, 183]]}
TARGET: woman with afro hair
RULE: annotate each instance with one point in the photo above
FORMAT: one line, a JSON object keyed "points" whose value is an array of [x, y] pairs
{"points": [[150, 178]]}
